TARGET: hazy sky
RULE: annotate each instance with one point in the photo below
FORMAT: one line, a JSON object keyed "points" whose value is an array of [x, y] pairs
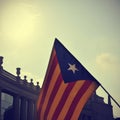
{"points": [[90, 30]]}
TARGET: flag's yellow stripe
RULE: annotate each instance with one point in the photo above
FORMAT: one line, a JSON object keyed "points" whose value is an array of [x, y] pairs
{"points": [[70, 99], [50, 89], [56, 100], [42, 90], [83, 100]]}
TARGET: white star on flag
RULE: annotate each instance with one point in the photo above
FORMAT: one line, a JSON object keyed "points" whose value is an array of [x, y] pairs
{"points": [[72, 67]]}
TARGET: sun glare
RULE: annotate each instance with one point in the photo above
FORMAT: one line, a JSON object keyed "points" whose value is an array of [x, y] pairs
{"points": [[18, 22]]}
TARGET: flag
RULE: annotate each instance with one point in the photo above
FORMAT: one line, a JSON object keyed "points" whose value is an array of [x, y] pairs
{"points": [[66, 88]]}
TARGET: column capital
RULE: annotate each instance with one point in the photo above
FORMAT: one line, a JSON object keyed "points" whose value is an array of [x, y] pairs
{"points": [[16, 106]]}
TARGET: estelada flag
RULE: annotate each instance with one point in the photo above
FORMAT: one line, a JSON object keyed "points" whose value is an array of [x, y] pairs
{"points": [[66, 88]]}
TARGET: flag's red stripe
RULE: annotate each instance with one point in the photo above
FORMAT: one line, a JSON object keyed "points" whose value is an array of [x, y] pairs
{"points": [[53, 54], [63, 99], [54, 63], [77, 98], [49, 66], [53, 94]]}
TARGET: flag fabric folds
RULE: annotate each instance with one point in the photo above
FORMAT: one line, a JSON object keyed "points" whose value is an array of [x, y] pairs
{"points": [[66, 88]]}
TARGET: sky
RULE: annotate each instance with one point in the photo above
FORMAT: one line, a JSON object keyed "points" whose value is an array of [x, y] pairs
{"points": [[89, 29]]}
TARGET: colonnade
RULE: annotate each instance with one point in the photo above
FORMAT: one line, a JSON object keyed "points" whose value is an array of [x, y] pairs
{"points": [[22, 108]]}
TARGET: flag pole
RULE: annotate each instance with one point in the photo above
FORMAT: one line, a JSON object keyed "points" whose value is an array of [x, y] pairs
{"points": [[110, 96]]}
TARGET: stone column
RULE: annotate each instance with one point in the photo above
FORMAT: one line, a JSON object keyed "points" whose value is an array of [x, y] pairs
{"points": [[0, 102], [23, 109], [16, 107], [35, 110], [30, 111]]}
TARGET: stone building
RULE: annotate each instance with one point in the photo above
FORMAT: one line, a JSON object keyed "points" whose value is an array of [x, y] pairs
{"points": [[18, 100], [96, 109], [17, 97]]}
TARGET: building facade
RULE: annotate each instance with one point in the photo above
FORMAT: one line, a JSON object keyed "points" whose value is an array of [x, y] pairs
{"points": [[17, 96]]}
